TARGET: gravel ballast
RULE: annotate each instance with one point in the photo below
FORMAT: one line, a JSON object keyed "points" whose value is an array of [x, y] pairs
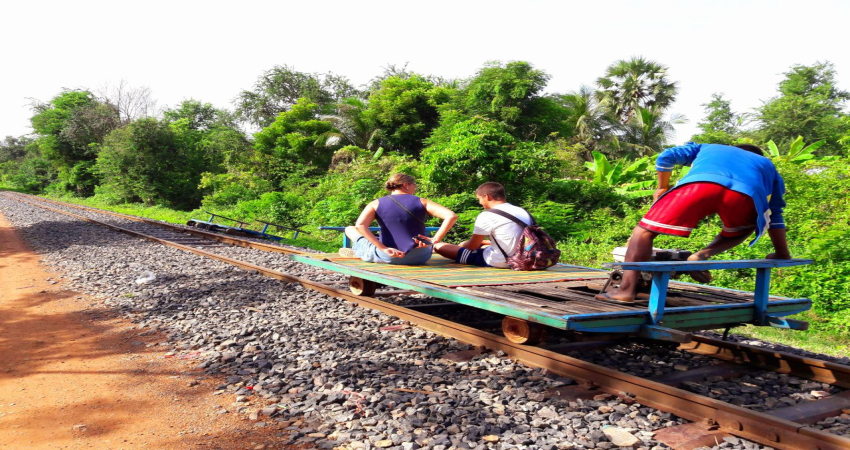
{"points": [[333, 374]]}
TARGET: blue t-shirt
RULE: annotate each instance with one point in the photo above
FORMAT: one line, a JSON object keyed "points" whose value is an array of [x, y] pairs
{"points": [[735, 169]]}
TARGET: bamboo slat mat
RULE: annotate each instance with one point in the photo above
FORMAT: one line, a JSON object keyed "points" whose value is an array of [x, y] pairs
{"points": [[446, 272]]}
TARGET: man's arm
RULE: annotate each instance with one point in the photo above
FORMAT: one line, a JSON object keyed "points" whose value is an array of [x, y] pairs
{"points": [[683, 155], [474, 243], [663, 185], [780, 244], [776, 229]]}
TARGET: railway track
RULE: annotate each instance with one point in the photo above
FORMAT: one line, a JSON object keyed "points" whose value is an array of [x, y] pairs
{"points": [[785, 428]]}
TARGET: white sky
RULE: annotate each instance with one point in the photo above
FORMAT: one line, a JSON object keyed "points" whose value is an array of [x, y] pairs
{"points": [[211, 50]]}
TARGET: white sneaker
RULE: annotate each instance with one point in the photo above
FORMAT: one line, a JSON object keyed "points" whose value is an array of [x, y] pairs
{"points": [[347, 253]]}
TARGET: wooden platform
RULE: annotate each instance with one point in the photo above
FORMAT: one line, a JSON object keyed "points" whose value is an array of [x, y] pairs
{"points": [[563, 296]]}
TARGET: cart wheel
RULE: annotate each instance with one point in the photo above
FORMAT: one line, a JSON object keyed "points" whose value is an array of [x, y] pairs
{"points": [[359, 286], [191, 223], [522, 331]]}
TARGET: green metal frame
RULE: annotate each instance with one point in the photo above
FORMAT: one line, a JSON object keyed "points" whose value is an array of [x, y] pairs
{"points": [[677, 318]]}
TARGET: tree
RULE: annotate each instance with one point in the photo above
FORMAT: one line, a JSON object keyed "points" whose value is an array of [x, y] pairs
{"points": [[635, 83], [810, 105], [720, 125], [586, 119], [70, 129], [404, 111], [351, 126], [13, 148], [279, 88], [647, 132], [293, 144], [512, 93], [145, 161], [130, 103], [213, 133], [480, 150]]}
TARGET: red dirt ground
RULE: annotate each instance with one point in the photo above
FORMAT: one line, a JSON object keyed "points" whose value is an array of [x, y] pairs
{"points": [[75, 376]]}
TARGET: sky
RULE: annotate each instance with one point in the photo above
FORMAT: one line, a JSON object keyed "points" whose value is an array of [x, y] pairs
{"points": [[212, 50]]}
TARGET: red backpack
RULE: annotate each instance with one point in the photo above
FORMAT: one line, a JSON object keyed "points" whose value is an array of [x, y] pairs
{"points": [[535, 250]]}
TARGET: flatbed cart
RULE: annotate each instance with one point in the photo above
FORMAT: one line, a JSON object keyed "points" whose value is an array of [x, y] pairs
{"points": [[563, 296], [242, 229]]}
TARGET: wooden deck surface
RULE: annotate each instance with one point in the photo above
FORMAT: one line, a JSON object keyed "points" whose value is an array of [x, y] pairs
{"points": [[563, 290]]}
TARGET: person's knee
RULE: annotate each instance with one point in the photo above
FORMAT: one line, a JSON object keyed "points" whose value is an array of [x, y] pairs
{"points": [[352, 232], [643, 234]]}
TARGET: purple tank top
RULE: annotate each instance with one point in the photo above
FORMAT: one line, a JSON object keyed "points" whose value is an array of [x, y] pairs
{"points": [[397, 226]]}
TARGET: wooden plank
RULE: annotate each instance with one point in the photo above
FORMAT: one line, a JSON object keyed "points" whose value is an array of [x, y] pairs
{"points": [[814, 411], [563, 309]]}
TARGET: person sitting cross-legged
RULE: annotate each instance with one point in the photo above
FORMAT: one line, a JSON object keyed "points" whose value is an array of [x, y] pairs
{"points": [[737, 183], [401, 216], [502, 231]]}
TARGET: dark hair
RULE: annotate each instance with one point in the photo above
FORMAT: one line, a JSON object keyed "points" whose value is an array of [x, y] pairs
{"points": [[493, 189], [398, 180], [750, 148]]}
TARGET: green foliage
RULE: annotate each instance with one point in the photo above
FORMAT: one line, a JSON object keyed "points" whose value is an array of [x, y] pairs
{"points": [[630, 178], [511, 93], [403, 110], [144, 161], [279, 89], [810, 105], [719, 117], [292, 144], [797, 153], [480, 150]]}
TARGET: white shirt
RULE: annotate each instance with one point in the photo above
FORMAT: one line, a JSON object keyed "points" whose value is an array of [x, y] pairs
{"points": [[502, 230]]}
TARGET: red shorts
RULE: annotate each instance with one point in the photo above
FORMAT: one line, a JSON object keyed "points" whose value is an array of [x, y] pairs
{"points": [[680, 210]]}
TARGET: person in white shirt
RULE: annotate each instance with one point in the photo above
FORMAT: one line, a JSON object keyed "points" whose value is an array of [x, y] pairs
{"points": [[494, 237]]}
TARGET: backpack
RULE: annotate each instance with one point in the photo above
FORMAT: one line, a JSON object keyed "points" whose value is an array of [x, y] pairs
{"points": [[535, 250]]}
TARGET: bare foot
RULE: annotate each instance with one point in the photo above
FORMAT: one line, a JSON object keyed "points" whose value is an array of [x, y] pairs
{"points": [[702, 276], [614, 297]]}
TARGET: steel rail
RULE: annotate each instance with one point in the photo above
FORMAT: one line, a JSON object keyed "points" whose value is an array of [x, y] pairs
{"points": [[752, 425], [195, 232], [773, 360]]}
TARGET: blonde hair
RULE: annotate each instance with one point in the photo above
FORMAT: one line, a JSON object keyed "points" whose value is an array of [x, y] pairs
{"points": [[398, 180]]}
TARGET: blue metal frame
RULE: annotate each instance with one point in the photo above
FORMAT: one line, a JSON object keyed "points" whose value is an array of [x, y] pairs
{"points": [[671, 325], [663, 269], [346, 242]]}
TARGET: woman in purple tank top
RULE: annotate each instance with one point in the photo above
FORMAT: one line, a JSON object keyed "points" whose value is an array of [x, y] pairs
{"points": [[401, 215]]}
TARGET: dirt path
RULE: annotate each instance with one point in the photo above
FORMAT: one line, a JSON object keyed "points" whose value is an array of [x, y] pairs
{"points": [[74, 376]]}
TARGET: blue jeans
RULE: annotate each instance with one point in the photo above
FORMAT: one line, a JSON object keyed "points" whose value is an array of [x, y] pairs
{"points": [[367, 251]]}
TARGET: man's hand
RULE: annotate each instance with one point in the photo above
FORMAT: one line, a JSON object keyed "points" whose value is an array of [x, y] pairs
{"points": [[777, 256], [658, 193]]}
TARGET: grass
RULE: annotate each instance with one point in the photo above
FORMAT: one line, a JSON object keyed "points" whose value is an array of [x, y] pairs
{"points": [[813, 340], [325, 241]]}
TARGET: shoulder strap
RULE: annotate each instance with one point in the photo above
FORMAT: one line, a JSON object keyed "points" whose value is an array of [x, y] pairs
{"points": [[522, 224], [511, 217], [408, 211]]}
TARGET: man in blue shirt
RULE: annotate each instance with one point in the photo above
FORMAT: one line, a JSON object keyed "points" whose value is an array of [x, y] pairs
{"points": [[737, 183]]}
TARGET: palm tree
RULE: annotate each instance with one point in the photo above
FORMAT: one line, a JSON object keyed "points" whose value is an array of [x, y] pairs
{"points": [[647, 132], [636, 83], [350, 127]]}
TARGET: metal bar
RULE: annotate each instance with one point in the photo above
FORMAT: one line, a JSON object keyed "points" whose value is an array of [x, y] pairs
{"points": [[658, 296], [687, 266], [761, 295]]}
